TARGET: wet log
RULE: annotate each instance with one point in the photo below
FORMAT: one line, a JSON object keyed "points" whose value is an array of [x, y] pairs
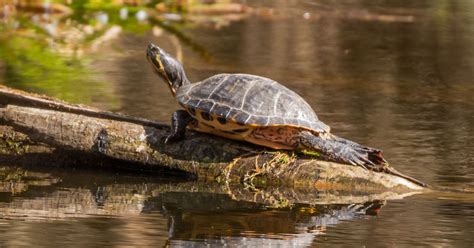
{"points": [[139, 141]]}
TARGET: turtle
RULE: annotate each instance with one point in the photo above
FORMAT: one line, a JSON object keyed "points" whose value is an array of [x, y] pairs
{"points": [[254, 109]]}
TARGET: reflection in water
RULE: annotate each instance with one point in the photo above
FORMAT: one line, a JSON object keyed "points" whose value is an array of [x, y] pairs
{"points": [[16, 180], [187, 212], [289, 227], [96, 208]]}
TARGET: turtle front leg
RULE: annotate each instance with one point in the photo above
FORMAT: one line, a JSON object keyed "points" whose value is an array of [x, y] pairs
{"points": [[179, 120]]}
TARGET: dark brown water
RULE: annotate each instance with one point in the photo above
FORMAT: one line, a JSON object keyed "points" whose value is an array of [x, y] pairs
{"points": [[397, 75]]}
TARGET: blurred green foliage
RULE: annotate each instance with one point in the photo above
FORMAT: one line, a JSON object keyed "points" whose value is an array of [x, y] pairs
{"points": [[31, 66]]}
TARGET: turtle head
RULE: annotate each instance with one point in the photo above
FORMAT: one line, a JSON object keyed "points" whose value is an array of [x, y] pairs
{"points": [[167, 67]]}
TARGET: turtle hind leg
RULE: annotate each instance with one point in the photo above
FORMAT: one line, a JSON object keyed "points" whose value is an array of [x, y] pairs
{"points": [[374, 154], [342, 152]]}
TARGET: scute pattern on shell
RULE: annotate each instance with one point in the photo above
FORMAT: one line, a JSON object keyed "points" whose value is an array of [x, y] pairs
{"points": [[250, 100]]}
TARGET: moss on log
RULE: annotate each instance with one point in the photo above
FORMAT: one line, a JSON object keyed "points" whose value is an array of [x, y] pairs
{"points": [[88, 131]]}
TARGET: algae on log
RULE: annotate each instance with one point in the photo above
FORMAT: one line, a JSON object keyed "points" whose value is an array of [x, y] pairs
{"points": [[80, 129]]}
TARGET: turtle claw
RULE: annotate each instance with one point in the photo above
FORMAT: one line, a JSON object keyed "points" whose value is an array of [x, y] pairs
{"points": [[358, 158], [368, 162], [361, 164], [353, 159], [352, 162]]}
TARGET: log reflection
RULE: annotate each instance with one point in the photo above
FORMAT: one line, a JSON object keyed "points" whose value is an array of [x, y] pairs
{"points": [[138, 208]]}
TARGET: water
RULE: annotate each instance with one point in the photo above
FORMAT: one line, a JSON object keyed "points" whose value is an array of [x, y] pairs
{"points": [[393, 75]]}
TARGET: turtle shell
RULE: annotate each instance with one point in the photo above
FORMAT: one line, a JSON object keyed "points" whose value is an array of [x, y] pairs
{"points": [[249, 100]]}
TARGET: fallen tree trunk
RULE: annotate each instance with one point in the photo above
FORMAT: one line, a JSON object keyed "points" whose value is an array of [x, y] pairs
{"points": [[109, 135]]}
